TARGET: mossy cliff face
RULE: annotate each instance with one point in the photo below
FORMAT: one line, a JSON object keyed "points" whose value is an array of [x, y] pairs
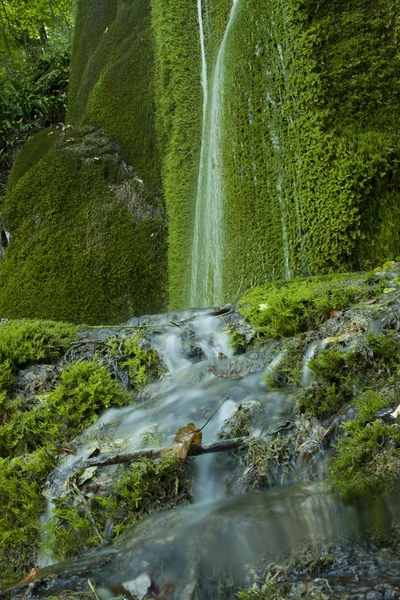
{"points": [[88, 237], [310, 147], [311, 150], [85, 213]]}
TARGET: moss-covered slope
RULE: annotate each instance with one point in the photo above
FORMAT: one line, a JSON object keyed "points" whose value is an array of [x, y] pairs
{"points": [[88, 237], [112, 79], [310, 134], [311, 147]]}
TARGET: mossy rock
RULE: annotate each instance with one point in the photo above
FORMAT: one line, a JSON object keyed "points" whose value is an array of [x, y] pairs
{"points": [[112, 79], [88, 236]]}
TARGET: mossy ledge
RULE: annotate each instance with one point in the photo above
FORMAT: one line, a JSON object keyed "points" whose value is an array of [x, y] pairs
{"points": [[88, 235], [37, 425], [354, 387]]}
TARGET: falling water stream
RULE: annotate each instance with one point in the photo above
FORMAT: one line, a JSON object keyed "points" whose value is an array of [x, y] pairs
{"points": [[207, 249]]}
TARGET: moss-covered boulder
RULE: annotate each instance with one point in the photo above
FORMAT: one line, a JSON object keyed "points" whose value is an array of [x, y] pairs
{"points": [[87, 234]]}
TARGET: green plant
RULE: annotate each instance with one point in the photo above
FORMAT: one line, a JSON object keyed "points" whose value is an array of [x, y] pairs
{"points": [[21, 500], [84, 391], [142, 362], [139, 490], [290, 307], [365, 462]]}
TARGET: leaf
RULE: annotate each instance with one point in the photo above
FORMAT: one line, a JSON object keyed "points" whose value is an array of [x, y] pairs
{"points": [[190, 431], [185, 437], [32, 575], [87, 474]]}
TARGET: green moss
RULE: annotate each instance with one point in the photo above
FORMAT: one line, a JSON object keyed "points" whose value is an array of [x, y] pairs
{"points": [[29, 434], [24, 342], [84, 391], [288, 308], [112, 80], [327, 197], [143, 363], [342, 374], [179, 116], [287, 371], [88, 237], [34, 149], [147, 486], [21, 480], [366, 459]]}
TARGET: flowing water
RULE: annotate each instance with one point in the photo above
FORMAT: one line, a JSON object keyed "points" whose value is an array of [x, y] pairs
{"points": [[226, 530], [208, 237]]}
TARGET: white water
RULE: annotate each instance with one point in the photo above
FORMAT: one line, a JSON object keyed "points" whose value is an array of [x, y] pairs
{"points": [[207, 250], [190, 392], [307, 375], [4, 241]]}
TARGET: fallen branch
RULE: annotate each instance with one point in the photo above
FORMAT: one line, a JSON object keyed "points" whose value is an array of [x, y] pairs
{"points": [[194, 450]]}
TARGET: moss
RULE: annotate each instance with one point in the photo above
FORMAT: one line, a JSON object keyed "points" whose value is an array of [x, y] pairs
{"points": [[21, 480], [287, 308], [340, 374], [88, 236], [112, 80], [143, 363], [239, 424], [179, 116], [146, 486], [366, 460], [24, 342], [34, 149], [84, 391], [327, 197], [288, 370], [31, 430]]}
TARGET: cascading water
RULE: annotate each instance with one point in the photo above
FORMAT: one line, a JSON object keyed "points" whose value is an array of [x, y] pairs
{"points": [[208, 236], [228, 527]]}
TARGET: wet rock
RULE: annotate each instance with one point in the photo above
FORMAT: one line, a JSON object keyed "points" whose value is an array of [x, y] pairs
{"points": [[335, 430], [191, 348], [37, 379], [386, 414]]}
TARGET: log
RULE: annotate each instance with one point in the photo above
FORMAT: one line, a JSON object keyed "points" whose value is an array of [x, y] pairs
{"points": [[194, 450]]}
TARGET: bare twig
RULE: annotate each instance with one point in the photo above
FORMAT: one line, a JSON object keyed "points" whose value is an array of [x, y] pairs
{"points": [[88, 511], [194, 450]]}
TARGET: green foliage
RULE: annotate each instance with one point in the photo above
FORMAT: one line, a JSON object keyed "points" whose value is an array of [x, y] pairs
{"points": [[21, 480], [288, 370], [366, 459], [141, 489], [341, 374], [291, 307], [88, 235], [35, 40], [143, 363], [84, 391], [24, 342]]}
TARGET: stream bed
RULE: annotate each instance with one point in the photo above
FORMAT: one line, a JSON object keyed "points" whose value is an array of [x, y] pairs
{"points": [[276, 534]]}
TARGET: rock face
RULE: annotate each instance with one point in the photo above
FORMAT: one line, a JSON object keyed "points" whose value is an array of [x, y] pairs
{"points": [[88, 234], [325, 199]]}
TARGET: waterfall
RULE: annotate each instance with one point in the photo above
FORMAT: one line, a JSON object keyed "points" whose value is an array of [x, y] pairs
{"points": [[207, 249]]}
